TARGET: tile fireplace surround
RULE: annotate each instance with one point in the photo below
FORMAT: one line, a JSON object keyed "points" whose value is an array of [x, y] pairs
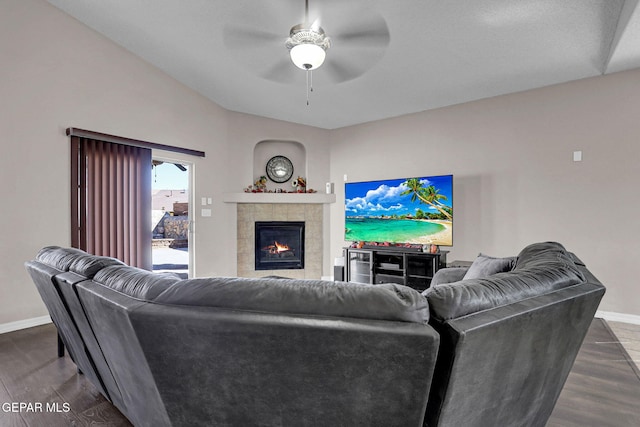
{"points": [[310, 213]]}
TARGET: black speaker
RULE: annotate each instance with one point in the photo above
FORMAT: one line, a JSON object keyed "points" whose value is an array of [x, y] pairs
{"points": [[338, 273]]}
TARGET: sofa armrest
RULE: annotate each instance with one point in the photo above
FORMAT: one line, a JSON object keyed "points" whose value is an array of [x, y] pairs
{"points": [[448, 275]]}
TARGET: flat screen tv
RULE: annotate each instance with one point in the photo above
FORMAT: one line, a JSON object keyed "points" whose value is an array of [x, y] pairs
{"points": [[400, 211]]}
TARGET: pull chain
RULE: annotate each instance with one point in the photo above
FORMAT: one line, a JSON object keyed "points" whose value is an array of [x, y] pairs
{"points": [[309, 83], [308, 66]]}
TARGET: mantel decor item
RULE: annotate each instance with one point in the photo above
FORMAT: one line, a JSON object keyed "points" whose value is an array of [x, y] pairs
{"points": [[279, 169], [261, 184], [300, 184]]}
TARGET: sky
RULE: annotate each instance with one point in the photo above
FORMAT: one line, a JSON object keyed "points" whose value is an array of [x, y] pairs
{"points": [[168, 177], [375, 198]]}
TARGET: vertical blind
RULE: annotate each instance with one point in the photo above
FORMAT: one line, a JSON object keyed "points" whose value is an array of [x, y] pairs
{"points": [[111, 200]]}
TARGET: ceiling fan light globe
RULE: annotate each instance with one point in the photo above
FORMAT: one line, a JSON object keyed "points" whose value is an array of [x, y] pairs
{"points": [[307, 56]]}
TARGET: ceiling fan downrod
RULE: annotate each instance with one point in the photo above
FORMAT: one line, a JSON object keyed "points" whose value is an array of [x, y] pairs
{"points": [[307, 45], [306, 11]]}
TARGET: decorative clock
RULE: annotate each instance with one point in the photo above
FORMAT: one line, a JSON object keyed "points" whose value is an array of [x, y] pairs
{"points": [[279, 169]]}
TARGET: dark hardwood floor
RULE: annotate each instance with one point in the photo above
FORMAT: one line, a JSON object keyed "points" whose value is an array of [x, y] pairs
{"points": [[602, 390], [31, 372]]}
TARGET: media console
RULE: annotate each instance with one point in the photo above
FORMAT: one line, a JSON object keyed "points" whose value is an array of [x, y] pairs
{"points": [[393, 265]]}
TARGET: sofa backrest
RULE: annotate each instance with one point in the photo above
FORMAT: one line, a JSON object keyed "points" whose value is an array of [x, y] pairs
{"points": [[109, 313], [50, 262], [135, 282], [305, 297], [57, 257], [42, 276], [66, 283], [112, 273], [540, 268], [87, 265], [504, 359], [219, 351]]}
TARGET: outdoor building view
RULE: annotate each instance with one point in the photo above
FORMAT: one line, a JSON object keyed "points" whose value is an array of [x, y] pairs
{"points": [[170, 218]]}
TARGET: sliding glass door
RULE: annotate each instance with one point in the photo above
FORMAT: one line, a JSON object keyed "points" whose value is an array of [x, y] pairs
{"points": [[172, 216]]}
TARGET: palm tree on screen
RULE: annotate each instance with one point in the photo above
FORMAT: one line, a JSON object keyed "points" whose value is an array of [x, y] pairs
{"points": [[428, 195]]}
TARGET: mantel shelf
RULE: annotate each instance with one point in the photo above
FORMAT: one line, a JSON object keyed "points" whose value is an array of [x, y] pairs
{"points": [[278, 198]]}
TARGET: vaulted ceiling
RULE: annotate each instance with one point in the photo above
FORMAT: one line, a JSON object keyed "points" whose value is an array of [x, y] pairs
{"points": [[421, 54]]}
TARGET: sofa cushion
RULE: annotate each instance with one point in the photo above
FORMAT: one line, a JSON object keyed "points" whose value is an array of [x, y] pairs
{"points": [[313, 297], [59, 258], [541, 268], [545, 255], [484, 266], [88, 265], [447, 275], [135, 282]]}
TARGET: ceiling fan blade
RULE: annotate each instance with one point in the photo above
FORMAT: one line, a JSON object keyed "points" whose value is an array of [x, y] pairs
{"points": [[348, 62], [248, 36], [316, 25], [371, 32], [339, 72], [364, 38], [282, 71]]}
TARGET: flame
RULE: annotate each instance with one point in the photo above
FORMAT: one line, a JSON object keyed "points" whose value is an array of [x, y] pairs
{"points": [[277, 248], [281, 247]]}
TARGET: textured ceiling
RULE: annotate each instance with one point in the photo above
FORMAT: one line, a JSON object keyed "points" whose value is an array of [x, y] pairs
{"points": [[439, 53]]}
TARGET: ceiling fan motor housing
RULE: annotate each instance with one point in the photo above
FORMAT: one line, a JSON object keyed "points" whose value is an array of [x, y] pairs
{"points": [[307, 46]]}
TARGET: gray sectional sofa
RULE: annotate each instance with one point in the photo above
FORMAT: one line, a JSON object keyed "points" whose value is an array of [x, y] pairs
{"points": [[490, 350]]}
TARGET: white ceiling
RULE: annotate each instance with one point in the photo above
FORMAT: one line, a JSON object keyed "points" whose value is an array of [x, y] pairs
{"points": [[439, 53]]}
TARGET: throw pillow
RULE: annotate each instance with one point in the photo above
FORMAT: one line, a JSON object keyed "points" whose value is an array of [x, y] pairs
{"points": [[484, 266]]}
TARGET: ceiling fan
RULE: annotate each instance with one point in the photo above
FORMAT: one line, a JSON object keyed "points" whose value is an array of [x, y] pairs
{"points": [[355, 40], [155, 163]]}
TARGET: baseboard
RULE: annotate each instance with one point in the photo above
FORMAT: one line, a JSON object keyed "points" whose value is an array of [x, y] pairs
{"points": [[24, 324], [618, 317]]}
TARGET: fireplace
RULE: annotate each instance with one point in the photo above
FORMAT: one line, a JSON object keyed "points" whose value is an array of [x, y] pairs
{"points": [[279, 245]]}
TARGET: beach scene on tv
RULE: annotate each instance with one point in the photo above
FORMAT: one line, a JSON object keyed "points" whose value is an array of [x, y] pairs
{"points": [[412, 210]]}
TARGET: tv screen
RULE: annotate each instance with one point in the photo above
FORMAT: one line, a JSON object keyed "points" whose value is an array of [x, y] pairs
{"points": [[410, 210]]}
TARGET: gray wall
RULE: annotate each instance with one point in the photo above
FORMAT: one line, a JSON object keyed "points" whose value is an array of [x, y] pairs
{"points": [[515, 181], [511, 156], [57, 73]]}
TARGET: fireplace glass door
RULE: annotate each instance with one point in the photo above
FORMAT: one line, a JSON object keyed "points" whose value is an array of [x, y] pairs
{"points": [[279, 245]]}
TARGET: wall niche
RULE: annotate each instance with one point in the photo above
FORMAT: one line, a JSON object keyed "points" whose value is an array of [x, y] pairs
{"points": [[293, 150]]}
